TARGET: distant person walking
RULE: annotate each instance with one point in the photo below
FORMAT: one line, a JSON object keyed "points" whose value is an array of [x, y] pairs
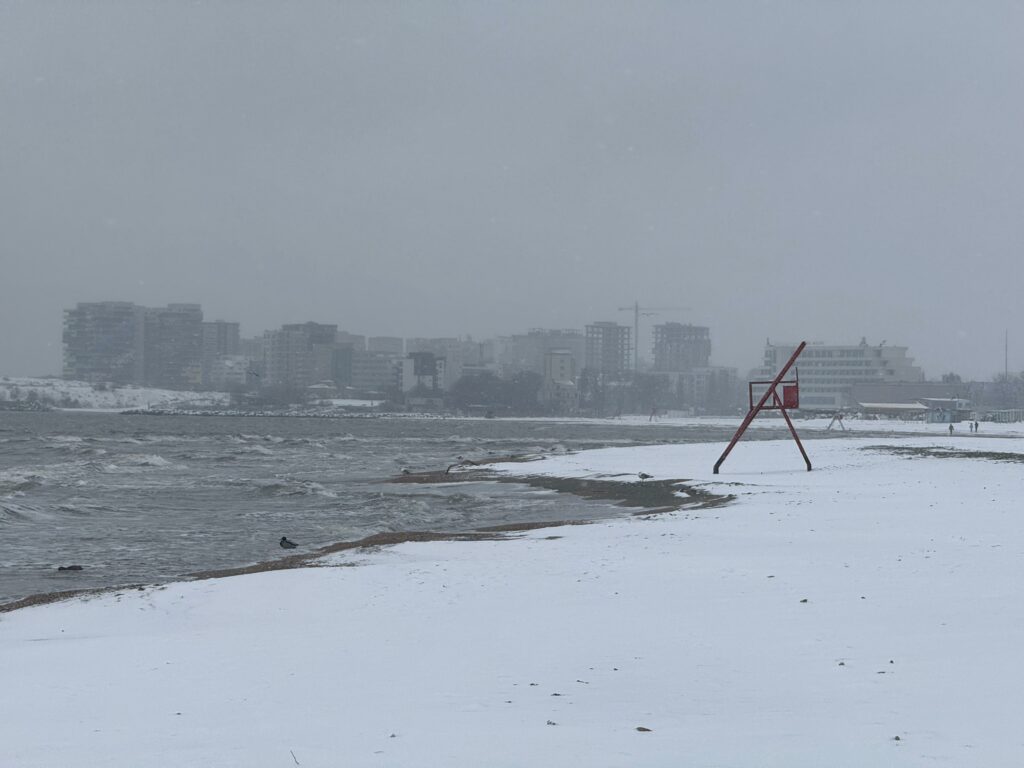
{"points": [[951, 429], [975, 426]]}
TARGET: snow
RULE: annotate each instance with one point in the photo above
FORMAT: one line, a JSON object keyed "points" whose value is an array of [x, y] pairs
{"points": [[806, 424], [349, 402], [107, 397], [810, 622]]}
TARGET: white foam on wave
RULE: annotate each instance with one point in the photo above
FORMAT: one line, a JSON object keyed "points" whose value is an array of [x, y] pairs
{"points": [[258, 449], [134, 460], [288, 486]]}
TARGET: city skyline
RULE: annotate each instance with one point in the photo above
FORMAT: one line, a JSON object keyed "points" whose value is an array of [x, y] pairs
{"points": [[649, 353], [475, 168], [1001, 348], [560, 371]]}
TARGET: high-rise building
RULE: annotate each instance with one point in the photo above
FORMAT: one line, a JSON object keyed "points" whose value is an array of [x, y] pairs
{"points": [[607, 348], [253, 350], [169, 347], [220, 340], [299, 355], [679, 347], [287, 359], [173, 346], [103, 341]]}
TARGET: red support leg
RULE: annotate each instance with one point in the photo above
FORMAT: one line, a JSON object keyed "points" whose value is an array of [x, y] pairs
{"points": [[792, 431]]}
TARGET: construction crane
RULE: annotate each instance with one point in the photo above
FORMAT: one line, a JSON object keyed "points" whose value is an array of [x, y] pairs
{"points": [[637, 311]]}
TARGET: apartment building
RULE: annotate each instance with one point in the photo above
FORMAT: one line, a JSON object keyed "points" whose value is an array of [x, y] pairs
{"points": [[220, 340], [103, 341], [374, 372], [679, 347], [607, 348]]}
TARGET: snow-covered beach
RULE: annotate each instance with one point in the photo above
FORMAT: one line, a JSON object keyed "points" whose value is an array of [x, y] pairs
{"points": [[865, 613]]}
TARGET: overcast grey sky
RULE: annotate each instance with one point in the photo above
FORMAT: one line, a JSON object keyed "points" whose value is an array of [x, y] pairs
{"points": [[819, 170]]}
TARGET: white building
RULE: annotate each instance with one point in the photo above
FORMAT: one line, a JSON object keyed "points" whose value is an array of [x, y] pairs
{"points": [[229, 372], [374, 372], [559, 391], [828, 372]]}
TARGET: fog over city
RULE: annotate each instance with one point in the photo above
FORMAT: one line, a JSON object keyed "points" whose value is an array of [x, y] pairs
{"points": [[818, 171]]}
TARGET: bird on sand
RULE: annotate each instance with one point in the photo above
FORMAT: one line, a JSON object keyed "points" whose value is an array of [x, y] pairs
{"points": [[644, 476], [286, 543]]}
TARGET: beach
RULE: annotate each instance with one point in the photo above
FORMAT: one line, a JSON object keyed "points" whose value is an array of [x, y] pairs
{"points": [[865, 613]]}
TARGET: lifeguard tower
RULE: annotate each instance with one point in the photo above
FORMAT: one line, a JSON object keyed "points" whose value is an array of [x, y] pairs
{"points": [[779, 394]]}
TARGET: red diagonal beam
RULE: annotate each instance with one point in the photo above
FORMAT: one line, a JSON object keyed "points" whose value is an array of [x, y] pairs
{"points": [[770, 392]]}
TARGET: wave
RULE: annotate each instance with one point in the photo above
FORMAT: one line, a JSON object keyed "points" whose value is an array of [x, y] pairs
{"points": [[292, 487], [130, 462], [19, 481], [258, 450], [89, 509], [79, 449], [143, 460], [19, 513]]}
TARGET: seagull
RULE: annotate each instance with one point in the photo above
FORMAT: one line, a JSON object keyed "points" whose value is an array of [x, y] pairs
{"points": [[644, 476], [286, 544]]}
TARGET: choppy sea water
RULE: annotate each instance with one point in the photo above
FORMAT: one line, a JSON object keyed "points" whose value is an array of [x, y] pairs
{"points": [[142, 499]]}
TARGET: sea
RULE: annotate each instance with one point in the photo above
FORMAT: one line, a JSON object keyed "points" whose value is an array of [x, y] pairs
{"points": [[142, 499]]}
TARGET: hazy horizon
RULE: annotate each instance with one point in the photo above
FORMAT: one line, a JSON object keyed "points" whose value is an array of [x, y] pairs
{"points": [[784, 170]]}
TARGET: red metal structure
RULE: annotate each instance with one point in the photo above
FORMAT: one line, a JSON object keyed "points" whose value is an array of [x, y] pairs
{"points": [[771, 399]]}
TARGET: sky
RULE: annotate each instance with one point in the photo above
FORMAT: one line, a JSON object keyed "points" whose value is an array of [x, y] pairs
{"points": [[786, 170]]}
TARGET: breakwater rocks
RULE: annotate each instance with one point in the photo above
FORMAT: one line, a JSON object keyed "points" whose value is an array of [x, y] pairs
{"points": [[304, 413], [24, 405]]}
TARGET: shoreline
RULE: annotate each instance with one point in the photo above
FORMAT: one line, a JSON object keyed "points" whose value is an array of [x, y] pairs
{"points": [[648, 498]]}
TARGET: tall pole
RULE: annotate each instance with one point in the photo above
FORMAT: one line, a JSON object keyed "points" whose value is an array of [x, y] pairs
{"points": [[1006, 355], [636, 337]]}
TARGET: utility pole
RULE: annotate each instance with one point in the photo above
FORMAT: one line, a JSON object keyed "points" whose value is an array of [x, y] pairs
{"points": [[646, 312]]}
